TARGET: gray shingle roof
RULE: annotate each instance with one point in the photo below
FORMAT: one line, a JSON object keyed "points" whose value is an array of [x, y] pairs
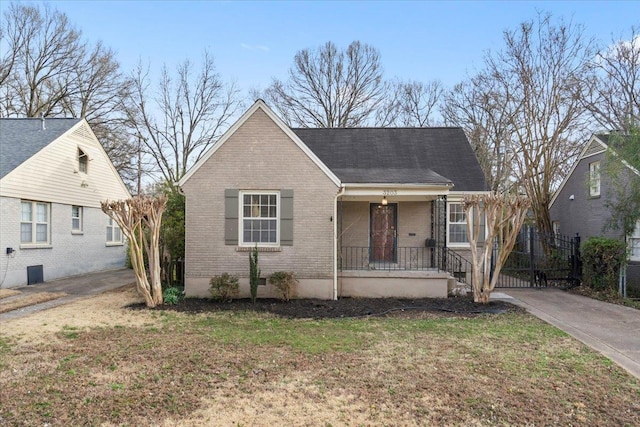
{"points": [[20, 139], [397, 155]]}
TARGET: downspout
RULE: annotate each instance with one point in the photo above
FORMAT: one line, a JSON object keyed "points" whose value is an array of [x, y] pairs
{"points": [[335, 241]]}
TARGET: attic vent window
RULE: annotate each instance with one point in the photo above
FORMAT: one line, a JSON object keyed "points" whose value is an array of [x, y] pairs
{"points": [[83, 161]]}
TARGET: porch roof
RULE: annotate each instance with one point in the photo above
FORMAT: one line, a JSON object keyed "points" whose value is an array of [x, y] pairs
{"points": [[392, 176]]}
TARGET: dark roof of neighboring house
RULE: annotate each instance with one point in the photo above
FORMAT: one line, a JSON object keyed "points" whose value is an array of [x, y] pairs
{"points": [[397, 155], [613, 139], [20, 139]]}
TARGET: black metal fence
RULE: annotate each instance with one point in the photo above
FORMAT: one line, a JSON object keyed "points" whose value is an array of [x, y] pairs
{"points": [[540, 260], [406, 258]]}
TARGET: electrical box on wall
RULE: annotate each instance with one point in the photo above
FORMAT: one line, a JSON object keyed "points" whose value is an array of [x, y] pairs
{"points": [[10, 251]]}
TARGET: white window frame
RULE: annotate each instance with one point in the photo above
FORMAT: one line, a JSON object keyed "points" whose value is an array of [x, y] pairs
{"points": [[242, 218], [113, 227], [34, 222], [634, 244], [449, 223], [594, 179], [83, 161], [79, 218]]}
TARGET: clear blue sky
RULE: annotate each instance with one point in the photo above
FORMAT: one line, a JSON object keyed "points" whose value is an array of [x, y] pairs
{"points": [[255, 41]]}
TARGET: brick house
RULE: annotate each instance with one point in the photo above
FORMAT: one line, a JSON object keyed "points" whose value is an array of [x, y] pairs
{"points": [[53, 175], [353, 212], [579, 204]]}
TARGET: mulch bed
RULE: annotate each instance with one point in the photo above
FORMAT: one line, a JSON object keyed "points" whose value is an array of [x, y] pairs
{"points": [[345, 307]]}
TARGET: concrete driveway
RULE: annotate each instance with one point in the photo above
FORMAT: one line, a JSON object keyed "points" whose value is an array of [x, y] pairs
{"points": [[75, 287], [611, 329]]}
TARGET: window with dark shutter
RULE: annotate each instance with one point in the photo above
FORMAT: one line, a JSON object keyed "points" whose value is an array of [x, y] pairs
{"points": [[263, 218]]}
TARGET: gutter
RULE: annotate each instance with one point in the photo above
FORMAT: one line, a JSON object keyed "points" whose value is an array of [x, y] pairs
{"points": [[335, 241]]}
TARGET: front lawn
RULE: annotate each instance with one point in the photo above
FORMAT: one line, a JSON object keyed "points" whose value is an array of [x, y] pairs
{"points": [[248, 368]]}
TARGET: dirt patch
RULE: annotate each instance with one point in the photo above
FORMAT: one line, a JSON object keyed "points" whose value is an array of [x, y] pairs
{"points": [[105, 310], [345, 307], [27, 300]]}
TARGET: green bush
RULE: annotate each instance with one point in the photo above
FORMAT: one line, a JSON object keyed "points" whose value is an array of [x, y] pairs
{"points": [[286, 282], [172, 296], [601, 260], [224, 287]]}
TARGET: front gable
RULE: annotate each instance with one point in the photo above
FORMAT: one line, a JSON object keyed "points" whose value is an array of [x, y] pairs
{"points": [[260, 129], [594, 147], [53, 174]]}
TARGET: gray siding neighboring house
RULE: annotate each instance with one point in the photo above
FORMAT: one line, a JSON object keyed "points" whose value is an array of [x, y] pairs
{"points": [[53, 175], [579, 205], [350, 211]]}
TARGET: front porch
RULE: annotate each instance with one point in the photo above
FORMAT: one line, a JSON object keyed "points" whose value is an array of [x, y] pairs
{"points": [[396, 246]]}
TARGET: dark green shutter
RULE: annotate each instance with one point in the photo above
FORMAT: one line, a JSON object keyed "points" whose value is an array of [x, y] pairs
{"points": [[231, 217], [286, 217]]}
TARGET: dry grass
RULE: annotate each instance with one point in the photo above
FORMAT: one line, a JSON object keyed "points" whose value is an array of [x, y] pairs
{"points": [[94, 362], [27, 300], [6, 293]]}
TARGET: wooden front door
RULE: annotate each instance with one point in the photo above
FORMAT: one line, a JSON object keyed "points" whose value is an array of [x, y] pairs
{"points": [[383, 232]]}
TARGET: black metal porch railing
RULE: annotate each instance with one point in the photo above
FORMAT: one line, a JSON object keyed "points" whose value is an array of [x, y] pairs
{"points": [[406, 258]]}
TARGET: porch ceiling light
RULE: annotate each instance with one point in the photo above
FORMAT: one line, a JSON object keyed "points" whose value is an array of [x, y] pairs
{"points": [[384, 201]]}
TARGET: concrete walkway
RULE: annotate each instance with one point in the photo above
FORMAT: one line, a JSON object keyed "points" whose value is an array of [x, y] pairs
{"points": [[75, 287], [611, 329]]}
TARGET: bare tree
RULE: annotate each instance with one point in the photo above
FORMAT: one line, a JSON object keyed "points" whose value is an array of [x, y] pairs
{"points": [[543, 69], [140, 219], [419, 103], [614, 95], [480, 107], [48, 50], [13, 33], [47, 69], [328, 87], [97, 89], [537, 82], [410, 104], [183, 117], [505, 214]]}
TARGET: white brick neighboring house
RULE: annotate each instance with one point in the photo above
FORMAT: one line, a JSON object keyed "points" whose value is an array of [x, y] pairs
{"points": [[53, 175], [358, 212]]}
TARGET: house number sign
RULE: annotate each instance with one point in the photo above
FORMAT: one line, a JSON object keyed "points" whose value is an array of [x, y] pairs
{"points": [[389, 192]]}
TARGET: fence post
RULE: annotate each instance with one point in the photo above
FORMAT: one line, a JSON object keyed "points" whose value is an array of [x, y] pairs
{"points": [[532, 271], [577, 259], [444, 258]]}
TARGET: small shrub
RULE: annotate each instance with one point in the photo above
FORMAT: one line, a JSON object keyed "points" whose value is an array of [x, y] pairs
{"points": [[286, 282], [224, 287], [601, 259], [172, 296]]}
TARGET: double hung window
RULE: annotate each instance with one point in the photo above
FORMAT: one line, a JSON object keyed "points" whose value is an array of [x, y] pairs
{"points": [[76, 219], [259, 218], [34, 222], [457, 225], [114, 234]]}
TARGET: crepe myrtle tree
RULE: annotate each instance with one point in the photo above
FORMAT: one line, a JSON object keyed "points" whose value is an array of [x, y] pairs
{"points": [[504, 215], [140, 218]]}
